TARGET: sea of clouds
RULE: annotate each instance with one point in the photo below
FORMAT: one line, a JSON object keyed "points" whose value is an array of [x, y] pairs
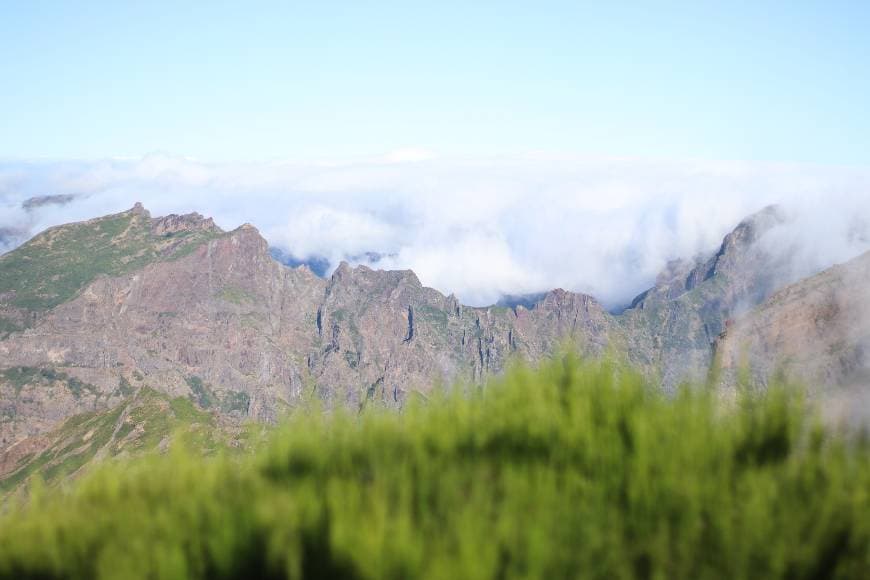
{"points": [[477, 227]]}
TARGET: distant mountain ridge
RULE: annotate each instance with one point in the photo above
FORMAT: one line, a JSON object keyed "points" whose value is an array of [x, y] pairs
{"points": [[94, 312]]}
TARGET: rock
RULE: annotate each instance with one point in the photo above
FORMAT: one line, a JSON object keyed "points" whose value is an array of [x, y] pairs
{"points": [[815, 332]]}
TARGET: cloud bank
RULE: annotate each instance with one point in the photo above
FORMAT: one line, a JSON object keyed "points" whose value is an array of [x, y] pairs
{"points": [[480, 228]]}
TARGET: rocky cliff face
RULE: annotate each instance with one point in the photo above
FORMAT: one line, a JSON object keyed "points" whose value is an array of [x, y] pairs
{"points": [[96, 312], [816, 332], [219, 321]]}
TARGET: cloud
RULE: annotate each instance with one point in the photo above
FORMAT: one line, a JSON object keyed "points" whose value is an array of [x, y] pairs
{"points": [[476, 227], [409, 155], [333, 233]]}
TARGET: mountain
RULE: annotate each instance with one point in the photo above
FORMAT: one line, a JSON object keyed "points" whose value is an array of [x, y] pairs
{"points": [[817, 332], [93, 314], [176, 304], [672, 326], [57, 264]]}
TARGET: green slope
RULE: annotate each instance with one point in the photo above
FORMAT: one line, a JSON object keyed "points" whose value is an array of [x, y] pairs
{"points": [[144, 422]]}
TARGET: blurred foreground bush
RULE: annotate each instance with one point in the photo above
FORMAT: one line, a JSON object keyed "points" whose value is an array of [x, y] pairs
{"points": [[578, 469]]}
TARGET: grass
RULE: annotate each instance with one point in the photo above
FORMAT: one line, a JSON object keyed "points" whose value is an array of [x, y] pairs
{"points": [[578, 469], [19, 377], [80, 439], [139, 424]]}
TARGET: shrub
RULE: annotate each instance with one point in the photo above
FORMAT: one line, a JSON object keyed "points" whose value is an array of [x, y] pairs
{"points": [[577, 469]]}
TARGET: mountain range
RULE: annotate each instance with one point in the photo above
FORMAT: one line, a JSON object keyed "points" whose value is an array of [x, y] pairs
{"points": [[118, 331]]}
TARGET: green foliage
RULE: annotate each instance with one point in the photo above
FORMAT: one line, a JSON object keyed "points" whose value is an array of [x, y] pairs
{"points": [[201, 393], [19, 377], [435, 317], [575, 470], [235, 401], [138, 425], [7, 327], [125, 389], [185, 410], [81, 437]]}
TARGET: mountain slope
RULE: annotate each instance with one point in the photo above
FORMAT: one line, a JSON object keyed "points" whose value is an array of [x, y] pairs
{"points": [[146, 421], [816, 331], [672, 326], [55, 265]]}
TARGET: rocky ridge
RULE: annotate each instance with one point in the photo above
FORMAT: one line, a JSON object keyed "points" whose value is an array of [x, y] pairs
{"points": [[177, 305], [218, 320]]}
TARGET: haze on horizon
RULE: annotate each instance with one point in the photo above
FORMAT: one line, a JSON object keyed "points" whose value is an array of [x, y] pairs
{"points": [[492, 147]]}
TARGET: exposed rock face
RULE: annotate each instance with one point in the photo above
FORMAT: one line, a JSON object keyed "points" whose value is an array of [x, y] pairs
{"points": [[178, 305], [816, 331], [227, 325]]}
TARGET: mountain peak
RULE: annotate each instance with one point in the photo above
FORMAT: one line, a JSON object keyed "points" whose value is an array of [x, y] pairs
{"points": [[747, 232], [175, 224], [139, 209], [737, 255]]}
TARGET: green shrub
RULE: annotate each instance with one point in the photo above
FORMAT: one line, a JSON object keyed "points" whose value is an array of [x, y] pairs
{"points": [[578, 469]]}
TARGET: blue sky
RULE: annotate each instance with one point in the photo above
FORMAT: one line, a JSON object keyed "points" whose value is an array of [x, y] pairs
{"points": [[756, 81]]}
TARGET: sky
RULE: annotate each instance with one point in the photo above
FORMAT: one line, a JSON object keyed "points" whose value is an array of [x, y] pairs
{"points": [[256, 81], [492, 147]]}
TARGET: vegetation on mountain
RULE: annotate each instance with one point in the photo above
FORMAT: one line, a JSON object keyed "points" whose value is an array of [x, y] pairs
{"points": [[146, 421], [55, 265], [577, 469]]}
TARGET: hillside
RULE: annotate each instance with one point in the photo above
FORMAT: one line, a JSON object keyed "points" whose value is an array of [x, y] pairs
{"points": [[817, 332], [57, 264], [146, 421], [672, 326]]}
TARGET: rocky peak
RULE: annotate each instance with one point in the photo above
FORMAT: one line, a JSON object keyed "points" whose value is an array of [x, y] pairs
{"points": [[139, 209], [343, 270], [248, 234], [739, 246], [738, 257], [561, 296], [366, 276], [174, 224]]}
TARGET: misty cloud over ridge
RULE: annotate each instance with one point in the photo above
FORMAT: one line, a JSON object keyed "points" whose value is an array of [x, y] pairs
{"points": [[479, 228]]}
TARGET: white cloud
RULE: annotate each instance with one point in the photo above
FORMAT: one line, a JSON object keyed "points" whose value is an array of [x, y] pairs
{"points": [[330, 232], [409, 155], [475, 227]]}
